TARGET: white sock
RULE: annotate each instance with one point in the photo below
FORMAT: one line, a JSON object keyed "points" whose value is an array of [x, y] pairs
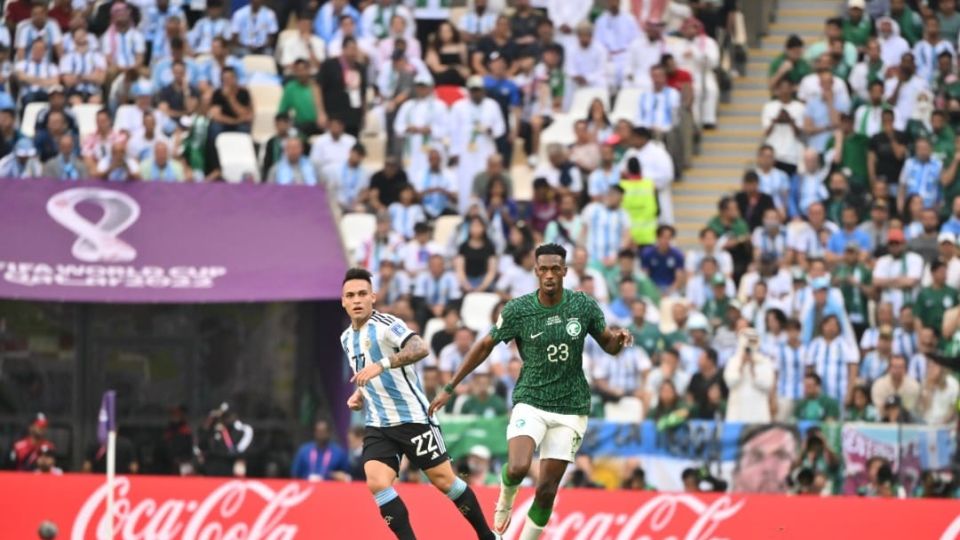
{"points": [[507, 494], [531, 531]]}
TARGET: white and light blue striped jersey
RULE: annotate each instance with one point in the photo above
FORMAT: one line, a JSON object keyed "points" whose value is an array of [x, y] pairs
{"points": [[873, 367], [659, 110], [600, 181], [776, 184], [203, 33], [395, 397], [27, 33], [153, 25], [253, 30], [44, 69], [478, 24], [830, 360], [83, 64], [404, 218], [437, 290], [70, 45], [123, 47], [622, 373], [775, 244], [605, 230], [923, 178], [925, 56], [791, 365], [917, 367], [904, 343]]}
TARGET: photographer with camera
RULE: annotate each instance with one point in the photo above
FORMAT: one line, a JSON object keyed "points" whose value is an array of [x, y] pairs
{"points": [[750, 376], [224, 441], [819, 458]]}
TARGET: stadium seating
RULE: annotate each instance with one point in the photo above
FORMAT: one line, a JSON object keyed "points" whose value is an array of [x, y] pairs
{"points": [[445, 228], [28, 121], [433, 326], [584, 97], [86, 115], [238, 157], [266, 100], [477, 308], [355, 229], [259, 63], [626, 105]]}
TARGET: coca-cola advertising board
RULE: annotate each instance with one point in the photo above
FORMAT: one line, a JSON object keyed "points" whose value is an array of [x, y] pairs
{"points": [[167, 508]]}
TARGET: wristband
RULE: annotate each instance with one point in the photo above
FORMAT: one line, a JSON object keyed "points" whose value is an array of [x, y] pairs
{"points": [[449, 389], [385, 364]]}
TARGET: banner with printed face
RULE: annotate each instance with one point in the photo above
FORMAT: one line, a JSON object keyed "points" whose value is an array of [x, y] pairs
{"points": [[162, 242], [910, 449], [194, 508]]}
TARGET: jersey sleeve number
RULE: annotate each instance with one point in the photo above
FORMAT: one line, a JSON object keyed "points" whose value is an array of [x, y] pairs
{"points": [[558, 353]]}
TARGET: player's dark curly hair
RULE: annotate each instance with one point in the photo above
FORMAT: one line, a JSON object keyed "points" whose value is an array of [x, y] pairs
{"points": [[358, 273], [551, 249]]}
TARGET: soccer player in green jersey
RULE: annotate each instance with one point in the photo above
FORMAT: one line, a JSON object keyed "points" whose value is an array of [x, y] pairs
{"points": [[552, 397]]}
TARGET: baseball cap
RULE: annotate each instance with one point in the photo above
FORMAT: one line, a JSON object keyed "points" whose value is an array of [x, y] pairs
{"points": [[734, 304], [886, 331], [799, 275], [475, 81], [946, 237], [852, 245], [718, 279], [858, 4], [423, 79], [895, 235], [55, 89], [480, 451], [820, 283], [25, 148]]}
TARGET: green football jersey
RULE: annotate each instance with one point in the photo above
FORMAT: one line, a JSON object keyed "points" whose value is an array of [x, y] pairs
{"points": [[550, 340]]}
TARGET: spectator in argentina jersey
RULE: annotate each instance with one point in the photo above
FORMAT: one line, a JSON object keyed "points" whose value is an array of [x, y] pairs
{"points": [[552, 397], [381, 350], [790, 362], [834, 358], [212, 26], [773, 181], [606, 228], [921, 176], [434, 289], [36, 74], [122, 44], [83, 70], [39, 27], [905, 335], [876, 362], [255, 27]]}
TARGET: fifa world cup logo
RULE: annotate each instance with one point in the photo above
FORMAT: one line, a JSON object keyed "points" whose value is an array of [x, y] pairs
{"points": [[97, 241]]}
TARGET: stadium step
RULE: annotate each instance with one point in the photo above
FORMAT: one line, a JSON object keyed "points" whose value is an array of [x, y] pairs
{"points": [[729, 150]]}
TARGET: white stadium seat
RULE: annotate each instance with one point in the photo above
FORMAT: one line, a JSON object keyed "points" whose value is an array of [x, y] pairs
{"points": [[355, 229], [259, 63], [627, 105], [444, 229], [238, 157], [28, 122], [583, 97], [86, 115], [476, 310], [433, 326], [560, 132], [266, 101]]}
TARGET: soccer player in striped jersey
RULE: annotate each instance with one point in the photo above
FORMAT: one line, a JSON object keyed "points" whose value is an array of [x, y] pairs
{"points": [[381, 351], [552, 397]]}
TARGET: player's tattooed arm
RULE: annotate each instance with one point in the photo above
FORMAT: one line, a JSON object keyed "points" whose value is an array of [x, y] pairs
{"points": [[413, 351]]}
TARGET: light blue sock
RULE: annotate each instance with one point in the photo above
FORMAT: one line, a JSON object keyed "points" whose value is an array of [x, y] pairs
{"points": [[385, 496], [457, 489]]}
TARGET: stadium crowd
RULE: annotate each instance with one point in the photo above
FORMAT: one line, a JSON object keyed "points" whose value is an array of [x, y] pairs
{"points": [[825, 289]]}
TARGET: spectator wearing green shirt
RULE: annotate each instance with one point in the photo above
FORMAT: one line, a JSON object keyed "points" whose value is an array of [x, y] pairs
{"points": [[911, 25], [854, 280], [647, 336], [857, 26], [950, 180], [789, 64], [626, 268], [850, 153], [833, 29], [935, 300], [815, 406], [480, 401], [941, 136], [302, 96], [949, 19], [860, 408], [715, 309], [728, 223], [680, 313]]}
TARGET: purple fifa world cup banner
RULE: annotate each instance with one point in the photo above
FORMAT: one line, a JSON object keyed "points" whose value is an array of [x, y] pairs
{"points": [[163, 242]]}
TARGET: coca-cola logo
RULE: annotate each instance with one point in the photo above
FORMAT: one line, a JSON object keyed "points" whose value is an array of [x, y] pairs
{"points": [[212, 518], [668, 515]]}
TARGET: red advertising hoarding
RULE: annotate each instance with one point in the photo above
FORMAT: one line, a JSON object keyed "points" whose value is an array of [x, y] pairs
{"points": [[167, 508]]}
